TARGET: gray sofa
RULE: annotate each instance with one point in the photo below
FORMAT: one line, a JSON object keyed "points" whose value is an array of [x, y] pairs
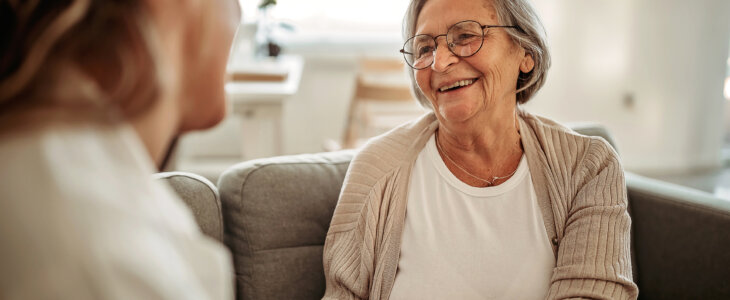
{"points": [[202, 198], [276, 212]]}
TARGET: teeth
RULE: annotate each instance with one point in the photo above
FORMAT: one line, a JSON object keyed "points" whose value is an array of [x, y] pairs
{"points": [[457, 84]]}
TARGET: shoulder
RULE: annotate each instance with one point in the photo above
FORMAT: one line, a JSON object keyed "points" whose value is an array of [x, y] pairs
{"points": [[550, 132], [87, 195], [376, 166], [599, 166], [386, 152], [80, 171], [565, 150]]}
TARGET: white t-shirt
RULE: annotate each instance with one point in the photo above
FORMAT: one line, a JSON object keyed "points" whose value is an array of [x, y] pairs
{"points": [[463, 242], [81, 218]]}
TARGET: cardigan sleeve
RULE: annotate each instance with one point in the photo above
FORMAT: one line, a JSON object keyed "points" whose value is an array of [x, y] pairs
{"points": [[342, 282], [348, 255], [594, 256]]}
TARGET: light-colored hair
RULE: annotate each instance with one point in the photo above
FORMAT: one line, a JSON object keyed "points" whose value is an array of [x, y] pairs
{"points": [[530, 35], [44, 41]]}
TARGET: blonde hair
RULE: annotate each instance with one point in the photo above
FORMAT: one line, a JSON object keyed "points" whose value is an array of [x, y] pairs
{"points": [[110, 44], [530, 35]]}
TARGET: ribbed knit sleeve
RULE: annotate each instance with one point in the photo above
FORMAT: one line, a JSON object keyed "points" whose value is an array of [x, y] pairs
{"points": [[348, 250], [594, 256], [363, 242]]}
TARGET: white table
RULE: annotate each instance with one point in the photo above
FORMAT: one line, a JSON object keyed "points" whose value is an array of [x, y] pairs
{"points": [[259, 104]]}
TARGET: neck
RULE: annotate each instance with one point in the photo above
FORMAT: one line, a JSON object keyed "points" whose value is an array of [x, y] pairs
{"points": [[156, 128], [484, 154], [493, 134]]}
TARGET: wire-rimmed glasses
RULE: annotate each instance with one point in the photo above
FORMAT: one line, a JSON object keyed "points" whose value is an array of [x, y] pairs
{"points": [[463, 39]]}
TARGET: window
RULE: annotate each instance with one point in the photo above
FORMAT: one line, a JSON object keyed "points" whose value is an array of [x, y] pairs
{"points": [[343, 21]]}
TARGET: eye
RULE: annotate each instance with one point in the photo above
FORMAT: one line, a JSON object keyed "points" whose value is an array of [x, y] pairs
{"points": [[465, 38], [425, 49]]}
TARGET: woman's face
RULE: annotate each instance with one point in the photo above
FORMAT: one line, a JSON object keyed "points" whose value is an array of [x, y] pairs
{"points": [[207, 43], [494, 69]]}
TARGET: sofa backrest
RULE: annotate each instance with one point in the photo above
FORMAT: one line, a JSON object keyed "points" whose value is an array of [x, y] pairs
{"points": [[277, 212], [682, 240]]}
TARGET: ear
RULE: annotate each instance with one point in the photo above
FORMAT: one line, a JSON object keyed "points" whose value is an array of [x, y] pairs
{"points": [[527, 63]]}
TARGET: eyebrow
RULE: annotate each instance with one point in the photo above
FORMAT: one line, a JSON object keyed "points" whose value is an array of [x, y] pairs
{"points": [[415, 32]]}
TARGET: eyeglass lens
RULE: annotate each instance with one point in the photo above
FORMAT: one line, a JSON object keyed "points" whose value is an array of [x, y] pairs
{"points": [[463, 39]]}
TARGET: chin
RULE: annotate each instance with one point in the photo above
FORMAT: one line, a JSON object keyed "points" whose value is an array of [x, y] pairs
{"points": [[207, 116], [213, 120], [455, 116], [457, 113]]}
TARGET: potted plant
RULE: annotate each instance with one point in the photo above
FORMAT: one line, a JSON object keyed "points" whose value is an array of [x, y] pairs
{"points": [[265, 46]]}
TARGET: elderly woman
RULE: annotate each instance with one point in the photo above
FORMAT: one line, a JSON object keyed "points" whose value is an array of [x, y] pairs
{"points": [[479, 199], [91, 94]]}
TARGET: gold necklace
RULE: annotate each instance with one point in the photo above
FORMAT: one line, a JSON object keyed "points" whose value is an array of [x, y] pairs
{"points": [[488, 182]]}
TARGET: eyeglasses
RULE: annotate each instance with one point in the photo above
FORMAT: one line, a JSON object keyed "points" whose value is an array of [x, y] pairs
{"points": [[464, 39]]}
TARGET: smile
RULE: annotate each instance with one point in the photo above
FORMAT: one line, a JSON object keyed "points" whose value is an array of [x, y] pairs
{"points": [[457, 85]]}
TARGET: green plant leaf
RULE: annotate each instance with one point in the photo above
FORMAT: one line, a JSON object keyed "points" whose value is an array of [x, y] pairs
{"points": [[267, 3]]}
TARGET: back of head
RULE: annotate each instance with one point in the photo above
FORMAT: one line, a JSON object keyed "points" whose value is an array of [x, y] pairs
{"points": [[82, 55]]}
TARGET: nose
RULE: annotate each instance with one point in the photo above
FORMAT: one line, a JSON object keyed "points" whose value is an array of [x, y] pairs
{"points": [[442, 57]]}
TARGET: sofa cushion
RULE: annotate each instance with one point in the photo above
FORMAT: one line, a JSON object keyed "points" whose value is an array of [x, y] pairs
{"points": [[202, 198], [277, 212]]}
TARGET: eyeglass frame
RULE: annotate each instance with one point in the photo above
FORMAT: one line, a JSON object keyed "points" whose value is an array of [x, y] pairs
{"points": [[435, 41]]}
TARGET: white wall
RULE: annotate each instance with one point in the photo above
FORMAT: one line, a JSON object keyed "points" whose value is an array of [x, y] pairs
{"points": [[667, 57]]}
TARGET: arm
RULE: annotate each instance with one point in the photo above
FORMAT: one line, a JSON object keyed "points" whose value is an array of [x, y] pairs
{"points": [[346, 252], [342, 283], [594, 257], [349, 250]]}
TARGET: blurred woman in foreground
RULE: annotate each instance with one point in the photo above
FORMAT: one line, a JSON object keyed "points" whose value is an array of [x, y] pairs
{"points": [[91, 94]]}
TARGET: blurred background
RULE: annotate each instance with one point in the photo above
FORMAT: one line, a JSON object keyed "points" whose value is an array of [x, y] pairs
{"points": [[321, 75]]}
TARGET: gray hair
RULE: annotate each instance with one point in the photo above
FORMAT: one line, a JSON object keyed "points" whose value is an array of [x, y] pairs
{"points": [[530, 35]]}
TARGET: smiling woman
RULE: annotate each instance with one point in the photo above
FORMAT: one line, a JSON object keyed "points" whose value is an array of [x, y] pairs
{"points": [[479, 199]]}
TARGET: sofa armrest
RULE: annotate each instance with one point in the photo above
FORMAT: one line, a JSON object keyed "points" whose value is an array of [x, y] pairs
{"points": [[202, 198], [682, 240]]}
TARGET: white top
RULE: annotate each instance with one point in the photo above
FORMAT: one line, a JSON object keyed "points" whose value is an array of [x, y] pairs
{"points": [[81, 218], [463, 242]]}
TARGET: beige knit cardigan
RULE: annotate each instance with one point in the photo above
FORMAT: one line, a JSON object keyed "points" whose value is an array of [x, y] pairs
{"points": [[580, 188]]}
